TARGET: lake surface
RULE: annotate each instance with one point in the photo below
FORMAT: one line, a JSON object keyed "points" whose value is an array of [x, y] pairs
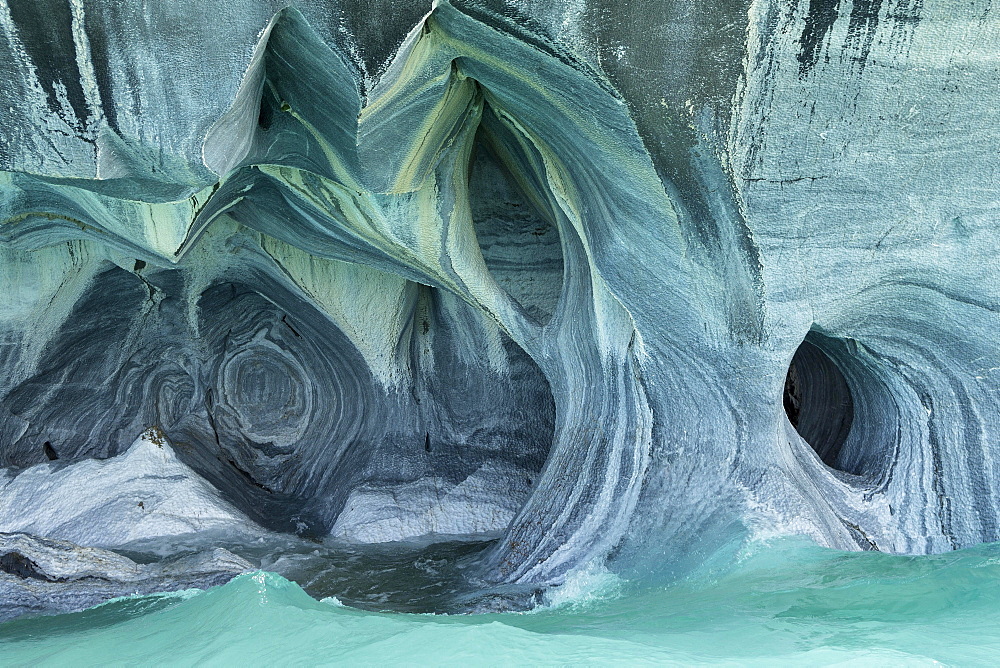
{"points": [[785, 602]]}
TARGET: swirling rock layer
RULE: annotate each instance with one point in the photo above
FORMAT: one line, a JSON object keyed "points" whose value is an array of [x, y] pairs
{"points": [[583, 279]]}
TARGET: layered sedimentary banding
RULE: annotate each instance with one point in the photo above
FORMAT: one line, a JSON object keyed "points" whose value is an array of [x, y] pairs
{"points": [[472, 296]]}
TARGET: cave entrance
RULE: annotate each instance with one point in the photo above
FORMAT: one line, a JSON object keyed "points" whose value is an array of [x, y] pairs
{"points": [[818, 401]]}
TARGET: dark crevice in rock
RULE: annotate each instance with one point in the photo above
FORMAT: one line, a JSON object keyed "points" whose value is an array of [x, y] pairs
{"points": [[14, 563], [249, 478], [792, 399], [265, 114], [818, 402], [49, 451]]}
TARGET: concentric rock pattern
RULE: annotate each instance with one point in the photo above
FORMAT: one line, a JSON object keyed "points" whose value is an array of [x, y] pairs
{"points": [[590, 278]]}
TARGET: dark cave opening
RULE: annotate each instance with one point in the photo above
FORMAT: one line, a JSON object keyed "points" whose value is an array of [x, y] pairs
{"points": [[818, 401]]}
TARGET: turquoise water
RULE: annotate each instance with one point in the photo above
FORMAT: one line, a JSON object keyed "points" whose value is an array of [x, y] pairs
{"points": [[781, 603]]}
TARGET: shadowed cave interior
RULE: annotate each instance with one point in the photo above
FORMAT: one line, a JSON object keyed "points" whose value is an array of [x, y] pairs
{"points": [[839, 398], [818, 402], [278, 410]]}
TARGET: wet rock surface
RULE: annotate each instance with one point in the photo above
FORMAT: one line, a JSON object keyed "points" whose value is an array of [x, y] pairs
{"points": [[46, 576], [594, 281]]}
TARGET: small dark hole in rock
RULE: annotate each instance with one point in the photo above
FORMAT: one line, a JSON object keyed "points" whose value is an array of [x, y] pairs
{"points": [[50, 452], [818, 402], [265, 116]]}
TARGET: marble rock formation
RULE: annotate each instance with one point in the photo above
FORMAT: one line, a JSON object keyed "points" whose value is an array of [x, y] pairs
{"points": [[143, 493], [41, 575], [609, 281]]}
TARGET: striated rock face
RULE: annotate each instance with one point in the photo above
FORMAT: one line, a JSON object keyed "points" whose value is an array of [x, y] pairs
{"points": [[49, 576], [596, 278]]}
